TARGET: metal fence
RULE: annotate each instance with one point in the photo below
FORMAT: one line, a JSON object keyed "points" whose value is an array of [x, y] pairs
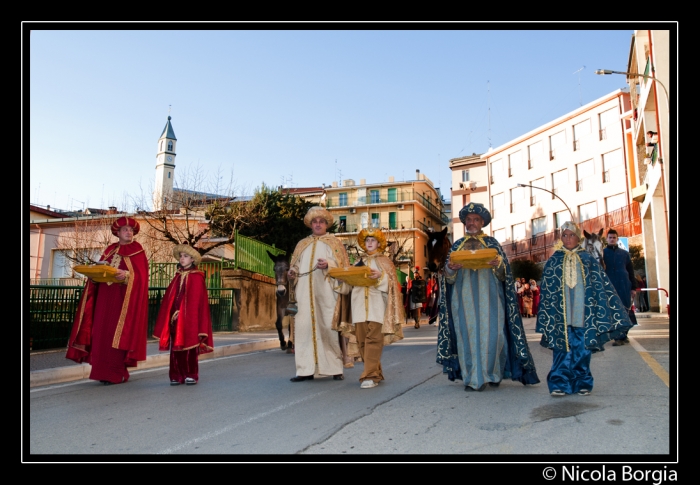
{"points": [[52, 310], [252, 255], [161, 274]]}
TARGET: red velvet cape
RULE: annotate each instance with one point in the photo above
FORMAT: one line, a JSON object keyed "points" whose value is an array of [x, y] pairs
{"points": [[193, 324], [130, 299]]}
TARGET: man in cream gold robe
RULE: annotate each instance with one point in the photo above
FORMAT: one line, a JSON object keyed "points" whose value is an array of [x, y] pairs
{"points": [[316, 325]]}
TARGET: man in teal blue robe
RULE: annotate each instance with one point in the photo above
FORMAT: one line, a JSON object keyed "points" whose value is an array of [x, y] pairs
{"points": [[481, 339], [579, 312]]}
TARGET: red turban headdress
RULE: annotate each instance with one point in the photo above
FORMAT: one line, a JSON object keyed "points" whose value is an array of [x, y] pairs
{"points": [[125, 221]]}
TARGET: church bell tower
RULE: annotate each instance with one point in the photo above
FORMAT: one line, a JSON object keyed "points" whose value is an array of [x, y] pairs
{"points": [[165, 168]]}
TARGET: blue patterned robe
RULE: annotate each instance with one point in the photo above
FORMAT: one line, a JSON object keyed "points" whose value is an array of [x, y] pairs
{"points": [[604, 315], [480, 333]]}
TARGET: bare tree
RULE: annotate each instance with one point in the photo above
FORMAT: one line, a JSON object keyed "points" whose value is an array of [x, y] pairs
{"points": [[84, 240], [202, 211]]}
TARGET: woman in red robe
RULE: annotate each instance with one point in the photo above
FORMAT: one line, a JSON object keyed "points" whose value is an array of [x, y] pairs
{"points": [[111, 324], [183, 325]]}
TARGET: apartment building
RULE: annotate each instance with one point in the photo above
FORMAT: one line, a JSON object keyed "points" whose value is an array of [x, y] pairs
{"points": [[570, 168], [405, 210], [650, 152], [469, 184]]}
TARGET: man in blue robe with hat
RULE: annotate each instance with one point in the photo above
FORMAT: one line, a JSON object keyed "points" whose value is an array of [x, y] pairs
{"points": [[481, 339]]}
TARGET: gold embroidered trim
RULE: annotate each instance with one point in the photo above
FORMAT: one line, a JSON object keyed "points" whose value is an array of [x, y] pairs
{"points": [[125, 306], [311, 301]]}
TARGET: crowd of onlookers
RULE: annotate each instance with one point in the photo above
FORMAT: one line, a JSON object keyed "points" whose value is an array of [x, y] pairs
{"points": [[528, 296]]}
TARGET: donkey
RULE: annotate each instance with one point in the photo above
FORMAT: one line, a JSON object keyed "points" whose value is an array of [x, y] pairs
{"points": [[281, 267], [438, 247], [593, 244]]}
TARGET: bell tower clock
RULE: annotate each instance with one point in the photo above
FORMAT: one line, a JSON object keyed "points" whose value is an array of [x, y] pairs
{"points": [[165, 168]]}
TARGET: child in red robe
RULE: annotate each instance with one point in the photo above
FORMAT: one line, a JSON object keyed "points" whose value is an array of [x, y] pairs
{"points": [[183, 325]]}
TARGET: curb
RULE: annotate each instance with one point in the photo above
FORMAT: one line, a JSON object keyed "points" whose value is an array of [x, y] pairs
{"points": [[82, 371]]}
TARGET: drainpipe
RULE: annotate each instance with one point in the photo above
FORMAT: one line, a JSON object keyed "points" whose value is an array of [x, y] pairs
{"points": [[660, 145], [39, 258]]}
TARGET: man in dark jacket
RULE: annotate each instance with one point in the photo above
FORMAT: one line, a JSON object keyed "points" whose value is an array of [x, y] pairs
{"points": [[618, 267]]}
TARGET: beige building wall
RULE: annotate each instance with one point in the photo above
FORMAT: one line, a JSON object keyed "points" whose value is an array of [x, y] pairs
{"points": [[580, 157], [469, 184]]}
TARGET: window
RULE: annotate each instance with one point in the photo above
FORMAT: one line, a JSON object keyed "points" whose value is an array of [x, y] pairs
{"points": [[559, 180], [518, 231], [391, 195], [465, 175], [343, 199], [168, 174], [534, 154], [342, 224], [588, 211], [160, 147], [170, 146], [611, 160], [61, 267], [392, 220], [615, 202], [500, 235], [375, 220], [534, 193], [539, 225], [584, 170], [496, 170], [561, 217], [497, 202], [555, 141], [374, 196], [517, 194], [514, 162], [581, 130], [607, 118]]}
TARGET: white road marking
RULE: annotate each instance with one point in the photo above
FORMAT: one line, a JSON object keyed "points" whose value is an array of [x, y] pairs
{"points": [[226, 429]]}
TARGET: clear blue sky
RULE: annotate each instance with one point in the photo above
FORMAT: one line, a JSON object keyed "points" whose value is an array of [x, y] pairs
{"points": [[281, 106]]}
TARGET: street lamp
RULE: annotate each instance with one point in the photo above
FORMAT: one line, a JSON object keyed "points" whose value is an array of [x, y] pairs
{"points": [[555, 195], [645, 76]]}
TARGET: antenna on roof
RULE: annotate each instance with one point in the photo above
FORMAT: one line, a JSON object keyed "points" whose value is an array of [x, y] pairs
{"points": [[169, 106], [580, 101], [488, 89]]}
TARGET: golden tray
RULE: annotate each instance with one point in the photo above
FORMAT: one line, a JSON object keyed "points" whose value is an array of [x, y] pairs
{"points": [[353, 275], [474, 258], [100, 273]]}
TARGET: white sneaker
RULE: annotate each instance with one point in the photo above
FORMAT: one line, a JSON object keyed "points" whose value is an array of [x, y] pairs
{"points": [[189, 381], [368, 384]]}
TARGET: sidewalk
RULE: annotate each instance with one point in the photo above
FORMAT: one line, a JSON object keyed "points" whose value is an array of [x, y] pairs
{"points": [[52, 367]]}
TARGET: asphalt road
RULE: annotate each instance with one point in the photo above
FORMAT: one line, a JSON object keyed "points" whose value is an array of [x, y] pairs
{"points": [[245, 406]]}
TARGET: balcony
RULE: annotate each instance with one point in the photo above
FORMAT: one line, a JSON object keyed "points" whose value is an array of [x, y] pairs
{"points": [[579, 185], [577, 145], [606, 176], [603, 134], [552, 154]]}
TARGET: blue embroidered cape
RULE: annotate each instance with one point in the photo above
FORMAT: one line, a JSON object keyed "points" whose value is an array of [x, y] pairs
{"points": [[519, 366], [605, 316]]}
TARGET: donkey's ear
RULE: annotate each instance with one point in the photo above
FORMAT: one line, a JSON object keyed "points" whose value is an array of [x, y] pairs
{"points": [[444, 231], [600, 233], [585, 233]]}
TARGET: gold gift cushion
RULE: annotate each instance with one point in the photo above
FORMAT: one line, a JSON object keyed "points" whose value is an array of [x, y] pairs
{"points": [[474, 258], [353, 275], [101, 273]]}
